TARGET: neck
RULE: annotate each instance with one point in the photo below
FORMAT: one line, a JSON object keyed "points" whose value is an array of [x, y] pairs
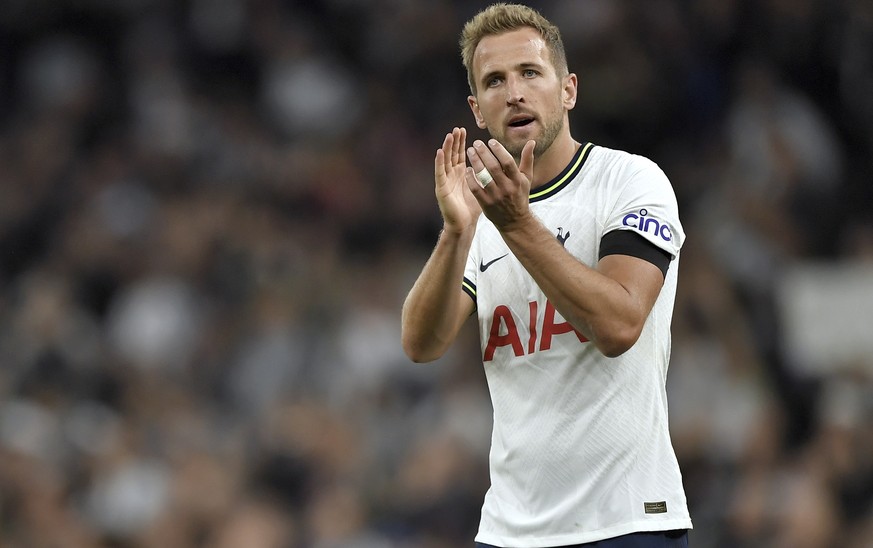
{"points": [[551, 162]]}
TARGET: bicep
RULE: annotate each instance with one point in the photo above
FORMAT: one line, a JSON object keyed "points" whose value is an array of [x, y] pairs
{"points": [[636, 264], [639, 278]]}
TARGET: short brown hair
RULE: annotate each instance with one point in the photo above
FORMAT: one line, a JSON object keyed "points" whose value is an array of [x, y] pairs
{"points": [[502, 17]]}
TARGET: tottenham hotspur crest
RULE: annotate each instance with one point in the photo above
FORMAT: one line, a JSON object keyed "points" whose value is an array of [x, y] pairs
{"points": [[561, 236]]}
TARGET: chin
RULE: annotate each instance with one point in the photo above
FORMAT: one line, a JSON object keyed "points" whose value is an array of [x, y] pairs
{"points": [[515, 146]]}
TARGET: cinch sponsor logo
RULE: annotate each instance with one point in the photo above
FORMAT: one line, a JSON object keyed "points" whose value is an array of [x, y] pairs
{"points": [[644, 223]]}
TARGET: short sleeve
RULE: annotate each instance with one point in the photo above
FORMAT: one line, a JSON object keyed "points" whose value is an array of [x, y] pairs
{"points": [[647, 206]]}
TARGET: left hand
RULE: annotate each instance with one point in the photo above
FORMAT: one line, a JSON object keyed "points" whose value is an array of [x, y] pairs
{"points": [[505, 201]]}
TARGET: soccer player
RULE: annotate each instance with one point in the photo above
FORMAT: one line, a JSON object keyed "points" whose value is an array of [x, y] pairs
{"points": [[568, 254]]}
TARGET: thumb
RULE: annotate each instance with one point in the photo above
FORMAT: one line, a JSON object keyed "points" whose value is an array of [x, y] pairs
{"points": [[526, 163]]}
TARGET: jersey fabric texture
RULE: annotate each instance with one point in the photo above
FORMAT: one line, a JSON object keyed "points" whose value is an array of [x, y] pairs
{"points": [[580, 448]]}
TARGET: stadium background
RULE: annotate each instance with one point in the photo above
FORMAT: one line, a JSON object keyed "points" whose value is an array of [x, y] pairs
{"points": [[211, 210]]}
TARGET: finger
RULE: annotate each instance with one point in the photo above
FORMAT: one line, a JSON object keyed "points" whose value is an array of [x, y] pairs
{"points": [[460, 143], [473, 183], [503, 157], [482, 174], [475, 160], [439, 164], [526, 164], [481, 156], [442, 154], [450, 146]]}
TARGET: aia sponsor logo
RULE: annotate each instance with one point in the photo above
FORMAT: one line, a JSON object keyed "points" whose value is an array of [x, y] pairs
{"points": [[542, 327]]}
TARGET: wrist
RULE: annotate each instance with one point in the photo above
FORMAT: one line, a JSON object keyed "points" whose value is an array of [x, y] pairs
{"points": [[457, 234], [521, 225]]}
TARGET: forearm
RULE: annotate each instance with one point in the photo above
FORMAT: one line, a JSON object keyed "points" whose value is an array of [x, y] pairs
{"points": [[598, 306], [435, 307]]}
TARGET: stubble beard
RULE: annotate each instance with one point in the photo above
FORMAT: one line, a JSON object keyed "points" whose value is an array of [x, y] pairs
{"points": [[545, 140]]}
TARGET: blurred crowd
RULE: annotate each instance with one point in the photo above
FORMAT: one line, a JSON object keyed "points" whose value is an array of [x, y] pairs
{"points": [[211, 211]]}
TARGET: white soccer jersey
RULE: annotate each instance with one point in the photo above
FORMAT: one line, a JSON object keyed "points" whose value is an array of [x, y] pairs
{"points": [[580, 449]]}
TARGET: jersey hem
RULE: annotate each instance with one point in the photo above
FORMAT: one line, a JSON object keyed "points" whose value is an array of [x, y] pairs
{"points": [[582, 538]]}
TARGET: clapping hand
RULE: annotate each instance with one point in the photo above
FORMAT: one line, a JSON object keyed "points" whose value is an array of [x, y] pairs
{"points": [[504, 195], [458, 206]]}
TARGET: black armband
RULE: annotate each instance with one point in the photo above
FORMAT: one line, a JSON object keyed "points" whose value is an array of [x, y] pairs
{"points": [[627, 242]]}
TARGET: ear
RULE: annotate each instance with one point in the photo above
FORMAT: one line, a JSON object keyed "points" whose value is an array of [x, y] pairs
{"points": [[569, 91], [477, 114]]}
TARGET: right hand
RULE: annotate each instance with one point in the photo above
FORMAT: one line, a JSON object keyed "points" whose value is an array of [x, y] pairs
{"points": [[458, 206]]}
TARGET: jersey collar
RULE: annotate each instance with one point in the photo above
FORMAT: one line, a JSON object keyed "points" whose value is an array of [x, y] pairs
{"points": [[563, 179]]}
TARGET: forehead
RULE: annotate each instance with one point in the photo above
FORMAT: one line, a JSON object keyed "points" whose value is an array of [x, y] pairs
{"points": [[497, 52]]}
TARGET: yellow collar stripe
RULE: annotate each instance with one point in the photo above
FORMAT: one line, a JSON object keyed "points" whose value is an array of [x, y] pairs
{"points": [[580, 158]]}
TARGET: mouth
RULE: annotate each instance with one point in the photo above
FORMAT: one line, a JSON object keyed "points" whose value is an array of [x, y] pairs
{"points": [[521, 121]]}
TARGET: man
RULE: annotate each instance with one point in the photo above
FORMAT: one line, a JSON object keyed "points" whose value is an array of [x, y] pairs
{"points": [[568, 252]]}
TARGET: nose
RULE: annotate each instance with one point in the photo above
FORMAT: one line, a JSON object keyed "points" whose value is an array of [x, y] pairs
{"points": [[514, 92]]}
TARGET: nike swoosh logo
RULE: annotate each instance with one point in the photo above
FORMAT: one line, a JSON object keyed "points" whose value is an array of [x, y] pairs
{"points": [[484, 266]]}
